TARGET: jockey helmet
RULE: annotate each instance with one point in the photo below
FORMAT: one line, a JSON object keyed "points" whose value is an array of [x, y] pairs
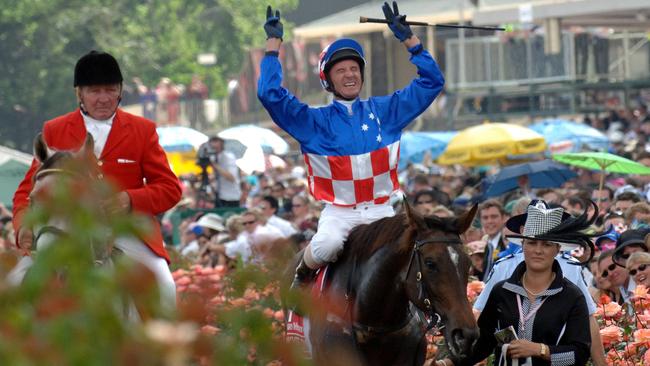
{"points": [[97, 68], [339, 50]]}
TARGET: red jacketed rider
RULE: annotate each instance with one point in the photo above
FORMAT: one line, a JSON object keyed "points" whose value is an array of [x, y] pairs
{"points": [[128, 154]]}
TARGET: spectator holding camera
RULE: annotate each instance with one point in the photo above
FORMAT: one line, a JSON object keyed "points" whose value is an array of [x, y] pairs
{"points": [[226, 173]]}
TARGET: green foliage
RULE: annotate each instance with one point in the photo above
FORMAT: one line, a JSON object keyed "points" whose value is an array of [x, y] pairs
{"points": [[68, 311], [40, 42]]}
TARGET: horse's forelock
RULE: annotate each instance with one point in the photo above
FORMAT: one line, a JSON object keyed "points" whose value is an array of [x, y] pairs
{"points": [[57, 159]]}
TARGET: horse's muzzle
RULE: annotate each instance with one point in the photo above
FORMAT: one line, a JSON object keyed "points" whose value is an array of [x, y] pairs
{"points": [[462, 340]]}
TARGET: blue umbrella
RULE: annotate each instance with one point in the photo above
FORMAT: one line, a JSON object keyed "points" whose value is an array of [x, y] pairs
{"points": [[567, 136], [414, 145], [541, 174]]}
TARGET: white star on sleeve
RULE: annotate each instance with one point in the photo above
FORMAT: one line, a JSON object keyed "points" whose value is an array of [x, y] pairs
{"points": [[371, 115], [378, 138], [364, 127]]}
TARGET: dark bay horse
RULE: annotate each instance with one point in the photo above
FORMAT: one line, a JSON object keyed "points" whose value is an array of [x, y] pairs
{"points": [[391, 273]]}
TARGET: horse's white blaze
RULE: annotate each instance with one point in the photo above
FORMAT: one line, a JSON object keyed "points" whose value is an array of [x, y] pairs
{"points": [[453, 254]]}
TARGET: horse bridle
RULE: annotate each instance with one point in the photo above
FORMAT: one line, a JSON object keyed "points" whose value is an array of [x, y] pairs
{"points": [[423, 293], [53, 230]]}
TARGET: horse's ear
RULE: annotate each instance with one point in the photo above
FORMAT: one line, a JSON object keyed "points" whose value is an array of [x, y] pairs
{"points": [[412, 217], [41, 152], [465, 220], [89, 145]]}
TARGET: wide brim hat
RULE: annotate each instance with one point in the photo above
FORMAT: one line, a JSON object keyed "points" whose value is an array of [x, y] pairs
{"points": [[211, 221], [540, 223]]}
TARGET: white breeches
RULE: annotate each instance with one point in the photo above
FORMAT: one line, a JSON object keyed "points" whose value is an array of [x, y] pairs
{"points": [[140, 252], [135, 250], [335, 224]]}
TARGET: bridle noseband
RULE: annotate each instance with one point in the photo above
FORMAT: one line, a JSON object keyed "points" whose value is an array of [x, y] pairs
{"points": [[423, 293]]}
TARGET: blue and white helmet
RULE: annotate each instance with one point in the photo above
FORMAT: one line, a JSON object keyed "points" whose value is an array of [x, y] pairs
{"points": [[339, 50]]}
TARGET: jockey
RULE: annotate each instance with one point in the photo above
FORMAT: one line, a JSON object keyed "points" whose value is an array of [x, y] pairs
{"points": [[128, 155], [350, 146]]}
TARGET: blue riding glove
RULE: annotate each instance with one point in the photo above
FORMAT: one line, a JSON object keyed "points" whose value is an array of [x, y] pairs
{"points": [[396, 22], [273, 26]]}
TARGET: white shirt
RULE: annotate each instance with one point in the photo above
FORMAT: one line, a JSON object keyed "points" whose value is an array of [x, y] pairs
{"points": [[247, 245], [227, 190], [99, 130], [191, 249], [281, 224]]}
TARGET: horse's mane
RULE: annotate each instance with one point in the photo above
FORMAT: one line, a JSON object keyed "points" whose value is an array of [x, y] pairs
{"points": [[368, 238]]}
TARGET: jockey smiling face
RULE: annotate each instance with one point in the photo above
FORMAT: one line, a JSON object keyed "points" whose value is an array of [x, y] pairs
{"points": [[341, 68], [346, 80]]}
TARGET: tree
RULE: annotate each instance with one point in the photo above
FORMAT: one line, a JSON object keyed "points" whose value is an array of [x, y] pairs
{"points": [[41, 40]]}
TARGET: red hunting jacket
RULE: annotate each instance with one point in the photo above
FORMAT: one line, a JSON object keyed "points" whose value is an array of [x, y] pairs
{"points": [[131, 155]]}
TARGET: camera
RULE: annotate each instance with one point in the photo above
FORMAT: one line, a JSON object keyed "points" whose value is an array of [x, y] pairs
{"points": [[206, 155]]}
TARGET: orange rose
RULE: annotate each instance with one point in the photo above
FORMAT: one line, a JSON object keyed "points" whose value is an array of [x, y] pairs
{"points": [[609, 310], [640, 291], [642, 335], [611, 334], [604, 299]]}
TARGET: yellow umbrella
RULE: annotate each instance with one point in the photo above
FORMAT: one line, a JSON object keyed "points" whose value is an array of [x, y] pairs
{"points": [[489, 143], [183, 162]]}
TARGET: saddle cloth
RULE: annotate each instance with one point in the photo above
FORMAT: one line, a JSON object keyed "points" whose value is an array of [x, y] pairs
{"points": [[298, 325]]}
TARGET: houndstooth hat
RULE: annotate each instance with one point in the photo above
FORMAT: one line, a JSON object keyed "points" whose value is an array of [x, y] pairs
{"points": [[538, 221]]}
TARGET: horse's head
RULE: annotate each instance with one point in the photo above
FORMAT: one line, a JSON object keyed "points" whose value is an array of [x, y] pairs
{"points": [[56, 164], [436, 278]]}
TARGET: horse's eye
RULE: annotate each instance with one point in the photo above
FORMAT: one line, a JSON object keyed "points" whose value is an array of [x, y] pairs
{"points": [[431, 264]]}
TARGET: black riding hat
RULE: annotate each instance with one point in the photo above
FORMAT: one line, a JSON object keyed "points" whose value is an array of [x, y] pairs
{"points": [[97, 68]]}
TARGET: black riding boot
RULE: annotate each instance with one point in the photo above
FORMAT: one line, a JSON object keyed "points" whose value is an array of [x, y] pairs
{"points": [[303, 276]]}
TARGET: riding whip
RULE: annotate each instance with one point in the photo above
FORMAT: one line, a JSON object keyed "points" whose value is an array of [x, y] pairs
{"points": [[425, 24]]}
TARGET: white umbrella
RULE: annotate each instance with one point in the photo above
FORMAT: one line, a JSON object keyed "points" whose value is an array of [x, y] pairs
{"points": [[178, 138], [251, 135]]}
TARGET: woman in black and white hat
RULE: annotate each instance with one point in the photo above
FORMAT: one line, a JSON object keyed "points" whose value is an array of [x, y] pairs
{"points": [[546, 313]]}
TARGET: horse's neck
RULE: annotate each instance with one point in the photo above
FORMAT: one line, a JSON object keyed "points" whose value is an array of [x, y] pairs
{"points": [[380, 293]]}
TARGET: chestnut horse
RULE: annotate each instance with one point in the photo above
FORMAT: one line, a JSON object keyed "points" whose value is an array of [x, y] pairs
{"points": [[391, 275]]}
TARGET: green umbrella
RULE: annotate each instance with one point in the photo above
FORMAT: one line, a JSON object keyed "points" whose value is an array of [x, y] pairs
{"points": [[605, 162]]}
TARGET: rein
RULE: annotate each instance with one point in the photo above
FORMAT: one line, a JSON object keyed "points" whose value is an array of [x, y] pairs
{"points": [[361, 333], [423, 293], [42, 173]]}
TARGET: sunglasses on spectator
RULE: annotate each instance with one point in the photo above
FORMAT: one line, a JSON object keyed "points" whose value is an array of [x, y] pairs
{"points": [[423, 202], [605, 273], [640, 268], [601, 199], [296, 205], [246, 223]]}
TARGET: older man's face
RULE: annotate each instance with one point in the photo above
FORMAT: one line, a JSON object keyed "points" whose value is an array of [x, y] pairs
{"points": [[100, 101]]}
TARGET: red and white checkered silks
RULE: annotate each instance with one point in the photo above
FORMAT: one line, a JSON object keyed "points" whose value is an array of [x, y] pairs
{"points": [[354, 179]]}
